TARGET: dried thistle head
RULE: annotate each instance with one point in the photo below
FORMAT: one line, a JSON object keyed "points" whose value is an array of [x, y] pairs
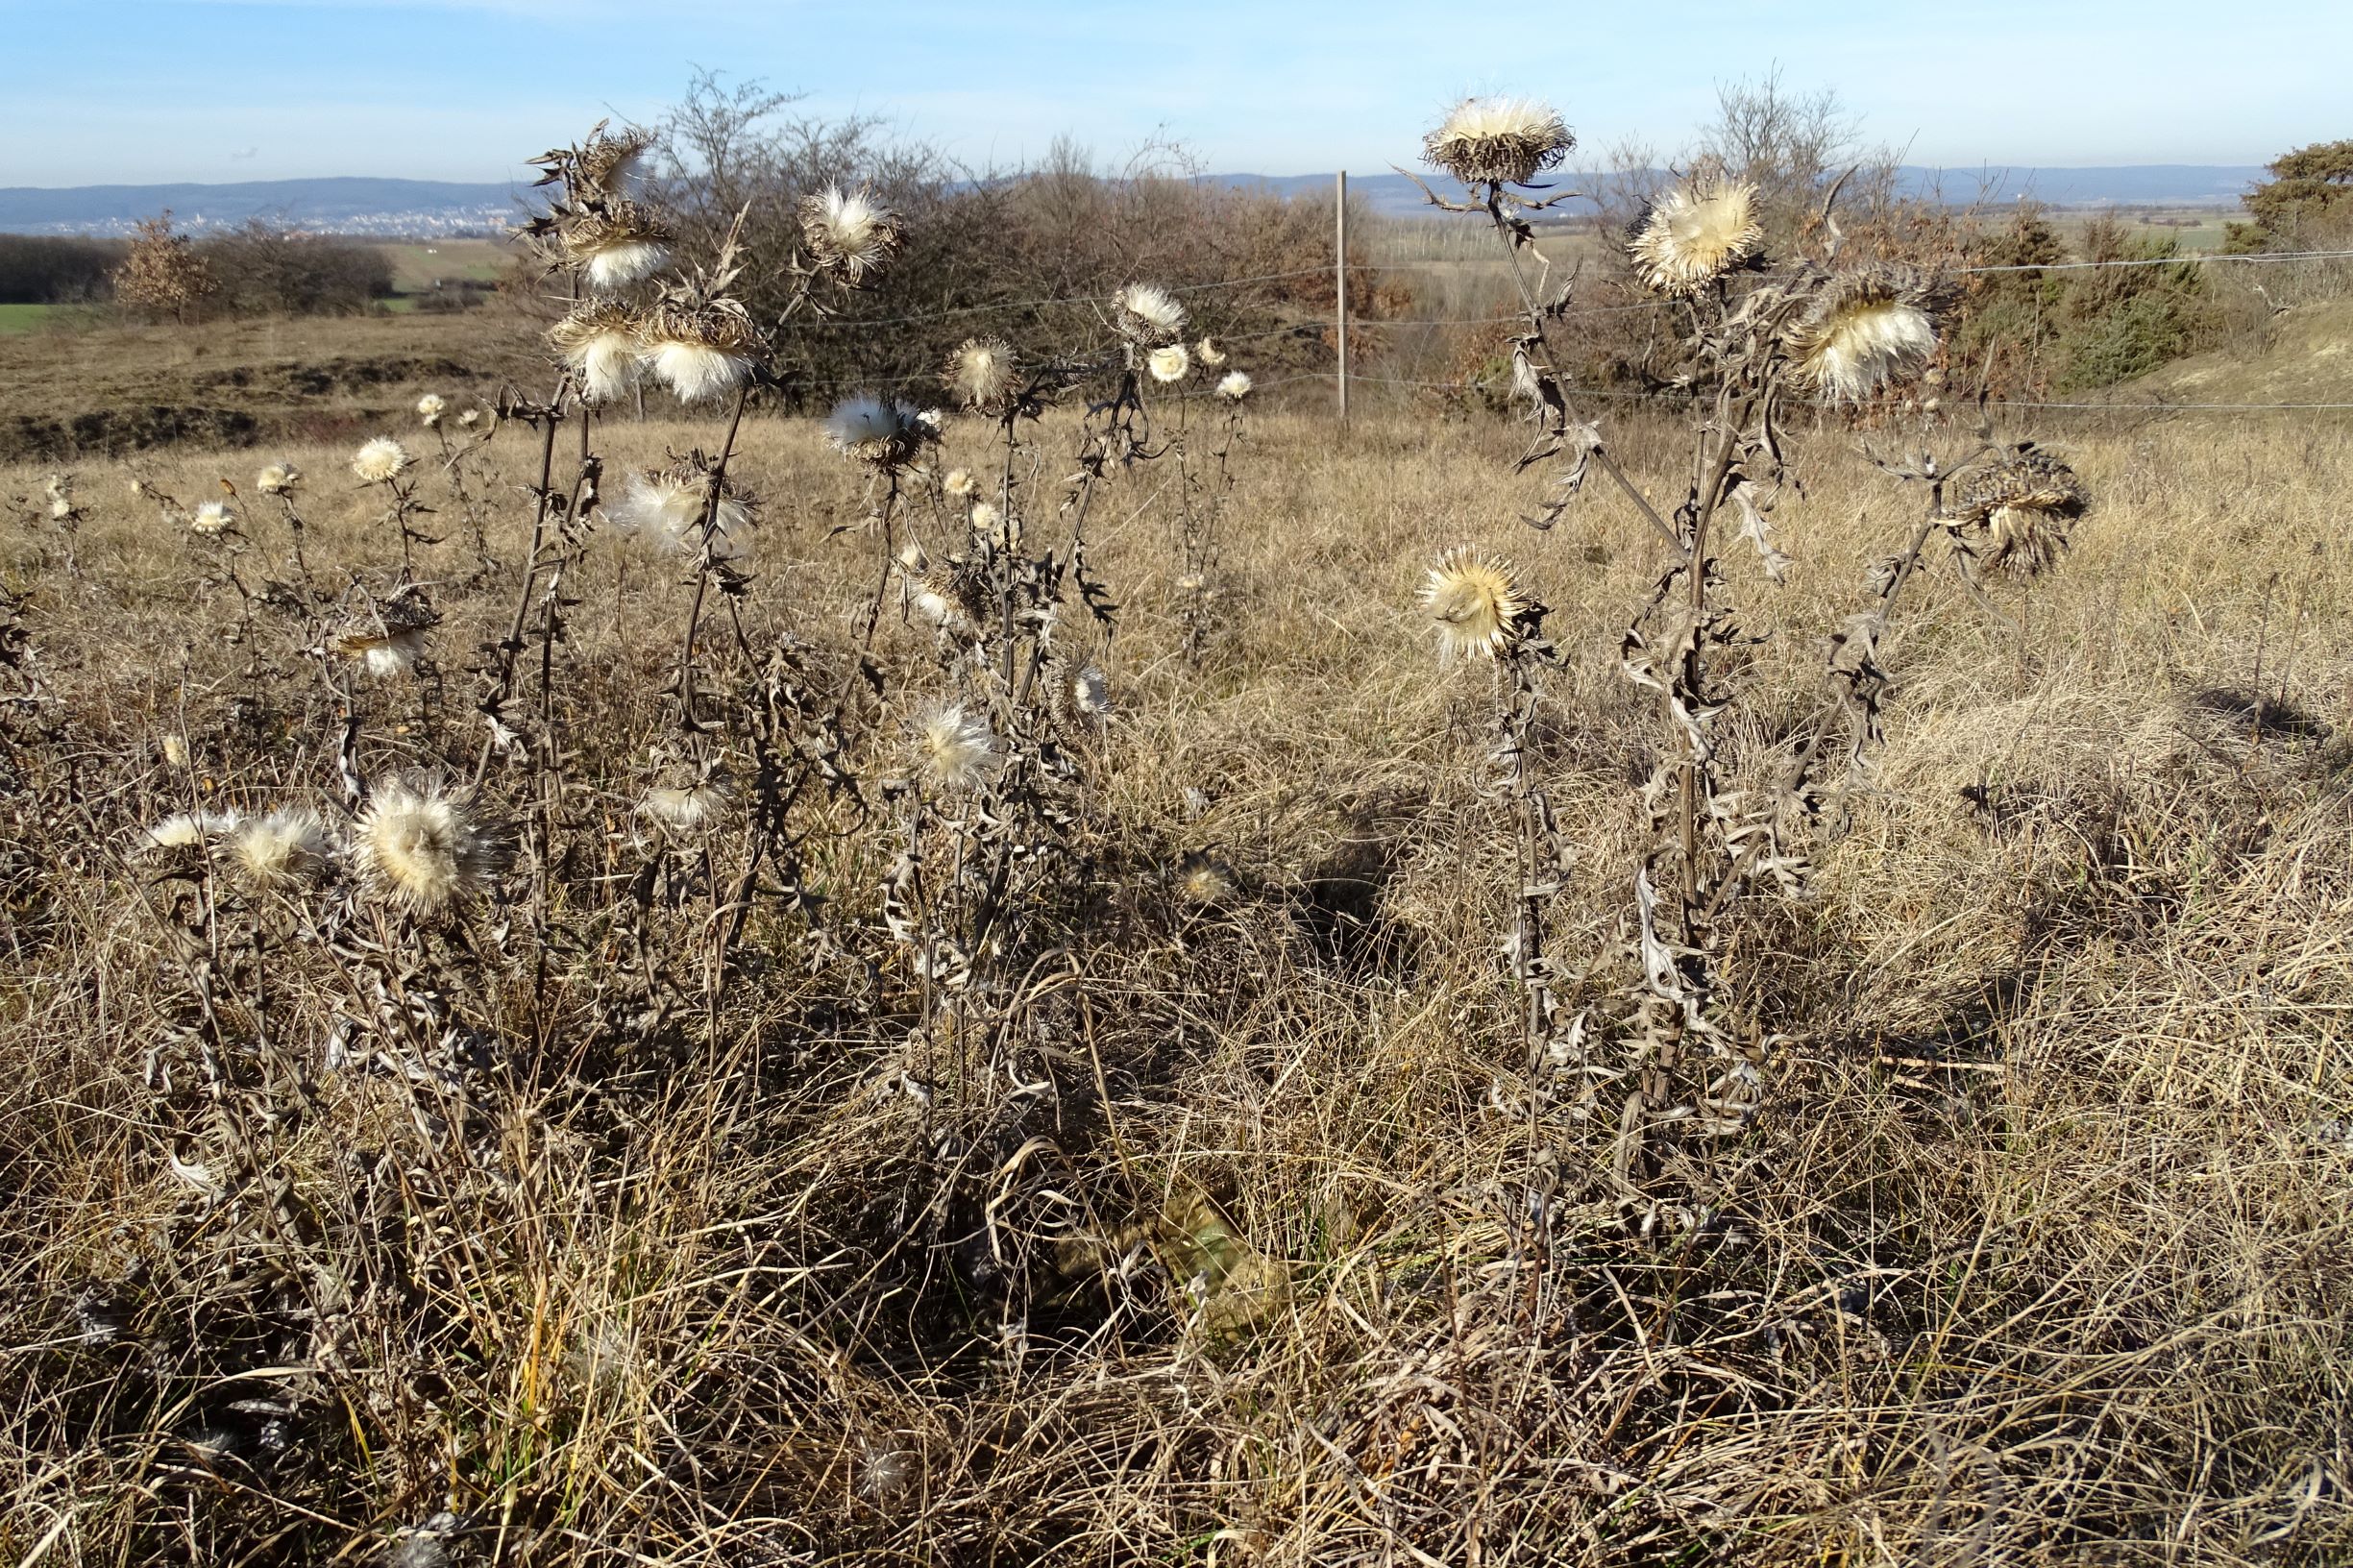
{"points": [[1170, 363], [278, 479], [1234, 386], [211, 519], [615, 244], [393, 640], [700, 350], [188, 830], [686, 807], [1088, 694], [956, 748], [949, 594], [603, 343], [2023, 507], [1147, 315], [1498, 141], [1209, 354], [983, 375], [666, 506], [423, 846], [1476, 603], [1002, 532], [1864, 330], [944, 595], [283, 849], [888, 1472], [960, 483], [1203, 880], [380, 461], [430, 408], [884, 432], [1695, 234], [609, 166], [384, 654], [849, 234]]}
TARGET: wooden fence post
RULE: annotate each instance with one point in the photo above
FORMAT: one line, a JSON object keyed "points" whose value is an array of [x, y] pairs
{"points": [[1340, 252]]}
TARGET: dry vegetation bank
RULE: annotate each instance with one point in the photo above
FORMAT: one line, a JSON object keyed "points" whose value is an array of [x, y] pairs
{"points": [[2038, 1250], [71, 395]]}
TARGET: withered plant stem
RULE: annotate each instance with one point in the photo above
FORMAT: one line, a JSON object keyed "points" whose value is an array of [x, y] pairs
{"points": [[687, 719], [1534, 311], [511, 645]]}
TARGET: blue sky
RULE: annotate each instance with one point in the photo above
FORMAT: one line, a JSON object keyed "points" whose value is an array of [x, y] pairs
{"points": [[137, 91]]}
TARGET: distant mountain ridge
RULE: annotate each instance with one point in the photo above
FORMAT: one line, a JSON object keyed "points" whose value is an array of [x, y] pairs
{"points": [[428, 208], [345, 205]]}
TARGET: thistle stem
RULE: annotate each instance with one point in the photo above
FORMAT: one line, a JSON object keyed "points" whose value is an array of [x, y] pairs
{"points": [[702, 568]]}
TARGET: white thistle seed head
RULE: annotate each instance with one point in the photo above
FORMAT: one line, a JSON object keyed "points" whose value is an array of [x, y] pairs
{"points": [[603, 344], [385, 655], [423, 846], [1170, 364], [1473, 601], [666, 507], [380, 461], [883, 432], [983, 375], [849, 234], [1695, 234], [1148, 315], [188, 830], [1867, 329], [687, 807], [1498, 141], [282, 849], [618, 245], [697, 372], [701, 352], [957, 750], [1090, 694]]}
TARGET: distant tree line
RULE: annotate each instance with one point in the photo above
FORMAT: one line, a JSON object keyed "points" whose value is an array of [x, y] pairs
{"points": [[259, 268], [37, 269]]}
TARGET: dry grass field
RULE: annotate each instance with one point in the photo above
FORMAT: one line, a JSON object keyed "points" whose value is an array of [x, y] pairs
{"points": [[115, 388], [563, 1227]]}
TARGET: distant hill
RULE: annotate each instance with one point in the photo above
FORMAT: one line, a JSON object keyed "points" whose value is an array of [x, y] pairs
{"points": [[428, 208], [2139, 185], [342, 205]]}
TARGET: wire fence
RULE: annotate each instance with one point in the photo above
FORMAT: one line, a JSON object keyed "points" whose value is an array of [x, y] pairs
{"points": [[1310, 332], [1669, 395]]}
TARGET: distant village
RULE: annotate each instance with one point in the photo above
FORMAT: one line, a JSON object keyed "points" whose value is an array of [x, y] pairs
{"points": [[488, 219]]}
